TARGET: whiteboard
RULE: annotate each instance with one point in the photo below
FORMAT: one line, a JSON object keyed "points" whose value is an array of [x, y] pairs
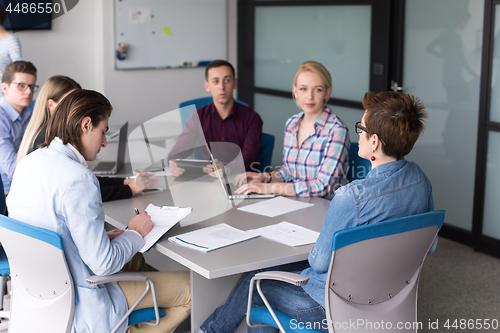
{"points": [[170, 33]]}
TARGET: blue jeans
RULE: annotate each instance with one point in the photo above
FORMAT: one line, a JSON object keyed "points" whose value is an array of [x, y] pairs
{"points": [[284, 297]]}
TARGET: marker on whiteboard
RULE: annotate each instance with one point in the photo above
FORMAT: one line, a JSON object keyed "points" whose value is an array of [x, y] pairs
{"points": [[121, 51]]}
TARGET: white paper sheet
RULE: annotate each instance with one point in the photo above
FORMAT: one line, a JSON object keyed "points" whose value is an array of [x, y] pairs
{"points": [[164, 218], [140, 16], [275, 207], [211, 238], [288, 233]]}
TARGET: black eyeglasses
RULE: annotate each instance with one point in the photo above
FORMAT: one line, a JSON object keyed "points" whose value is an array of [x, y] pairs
{"points": [[23, 86], [360, 128]]}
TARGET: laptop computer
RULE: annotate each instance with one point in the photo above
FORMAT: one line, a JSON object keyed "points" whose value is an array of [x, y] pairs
{"points": [[227, 187], [111, 168]]}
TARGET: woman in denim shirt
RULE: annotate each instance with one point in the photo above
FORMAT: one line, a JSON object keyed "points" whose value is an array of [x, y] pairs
{"points": [[394, 188]]}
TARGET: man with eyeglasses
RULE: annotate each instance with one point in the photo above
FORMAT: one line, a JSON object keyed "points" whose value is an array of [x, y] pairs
{"points": [[18, 86]]}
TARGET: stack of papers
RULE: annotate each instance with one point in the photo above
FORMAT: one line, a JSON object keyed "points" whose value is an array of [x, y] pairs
{"points": [[164, 218], [211, 238], [275, 207], [288, 233]]}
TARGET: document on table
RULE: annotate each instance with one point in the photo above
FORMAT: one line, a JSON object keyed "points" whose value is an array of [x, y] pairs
{"points": [[211, 238], [275, 207], [288, 233], [164, 218]]}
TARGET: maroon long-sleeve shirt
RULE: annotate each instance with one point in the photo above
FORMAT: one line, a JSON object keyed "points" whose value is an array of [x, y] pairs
{"points": [[243, 127]]}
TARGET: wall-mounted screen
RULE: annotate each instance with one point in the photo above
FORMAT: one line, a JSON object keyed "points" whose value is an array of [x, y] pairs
{"points": [[30, 14]]}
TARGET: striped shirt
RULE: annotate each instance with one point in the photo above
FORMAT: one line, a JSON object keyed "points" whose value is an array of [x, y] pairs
{"points": [[10, 50], [319, 166]]}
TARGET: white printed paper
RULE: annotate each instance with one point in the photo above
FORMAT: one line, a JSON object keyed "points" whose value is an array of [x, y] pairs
{"points": [[288, 233], [275, 207], [164, 218], [211, 238], [139, 16]]}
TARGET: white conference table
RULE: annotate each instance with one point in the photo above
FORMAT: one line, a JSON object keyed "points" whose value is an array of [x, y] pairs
{"points": [[213, 274]]}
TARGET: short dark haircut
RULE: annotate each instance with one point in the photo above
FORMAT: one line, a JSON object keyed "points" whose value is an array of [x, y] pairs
{"points": [[216, 64], [398, 119], [68, 116], [19, 66]]}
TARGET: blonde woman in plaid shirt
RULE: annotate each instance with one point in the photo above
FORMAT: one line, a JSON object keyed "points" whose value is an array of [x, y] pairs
{"points": [[316, 145]]}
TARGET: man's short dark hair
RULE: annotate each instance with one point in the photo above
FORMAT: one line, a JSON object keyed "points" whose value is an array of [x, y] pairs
{"points": [[216, 64], [19, 66]]}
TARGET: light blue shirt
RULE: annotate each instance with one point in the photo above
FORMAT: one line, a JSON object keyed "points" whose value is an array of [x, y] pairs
{"points": [[52, 190], [12, 127], [389, 191]]}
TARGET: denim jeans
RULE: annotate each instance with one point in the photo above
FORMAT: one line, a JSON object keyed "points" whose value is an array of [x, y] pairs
{"points": [[283, 297]]}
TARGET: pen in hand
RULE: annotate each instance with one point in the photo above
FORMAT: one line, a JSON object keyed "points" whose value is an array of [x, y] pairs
{"points": [[136, 213]]}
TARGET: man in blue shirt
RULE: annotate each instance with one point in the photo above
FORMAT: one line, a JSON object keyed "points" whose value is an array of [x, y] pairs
{"points": [[18, 86]]}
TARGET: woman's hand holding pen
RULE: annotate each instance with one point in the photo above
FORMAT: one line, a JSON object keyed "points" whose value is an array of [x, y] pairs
{"points": [[141, 223], [141, 182]]}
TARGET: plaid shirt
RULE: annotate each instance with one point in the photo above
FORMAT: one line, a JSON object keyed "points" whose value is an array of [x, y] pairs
{"points": [[318, 167]]}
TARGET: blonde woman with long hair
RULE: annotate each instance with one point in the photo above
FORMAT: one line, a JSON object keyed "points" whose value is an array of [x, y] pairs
{"points": [[316, 143], [52, 93]]}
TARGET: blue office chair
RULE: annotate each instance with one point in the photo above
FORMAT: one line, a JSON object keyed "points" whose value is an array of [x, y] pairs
{"points": [[4, 273], [2, 200], [198, 103], [43, 293], [266, 151], [373, 276], [358, 166], [4, 265], [266, 142]]}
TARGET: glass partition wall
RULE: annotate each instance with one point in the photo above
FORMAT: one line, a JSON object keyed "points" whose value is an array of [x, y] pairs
{"points": [[446, 52], [338, 34]]}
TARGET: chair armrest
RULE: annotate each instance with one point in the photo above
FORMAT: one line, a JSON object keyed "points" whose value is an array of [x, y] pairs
{"points": [[292, 278], [96, 280]]}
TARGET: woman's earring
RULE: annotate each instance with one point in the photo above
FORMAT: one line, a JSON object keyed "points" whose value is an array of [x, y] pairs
{"points": [[373, 157]]}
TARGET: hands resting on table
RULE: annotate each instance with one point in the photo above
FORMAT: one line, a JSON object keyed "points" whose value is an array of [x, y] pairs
{"points": [[141, 182]]}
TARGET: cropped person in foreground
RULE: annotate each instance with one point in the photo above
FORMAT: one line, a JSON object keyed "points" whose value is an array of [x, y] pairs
{"points": [[394, 188]]}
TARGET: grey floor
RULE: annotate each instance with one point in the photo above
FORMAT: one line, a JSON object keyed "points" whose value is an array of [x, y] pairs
{"points": [[458, 283]]}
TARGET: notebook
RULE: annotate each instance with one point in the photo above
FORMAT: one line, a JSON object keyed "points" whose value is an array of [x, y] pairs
{"points": [[111, 168]]}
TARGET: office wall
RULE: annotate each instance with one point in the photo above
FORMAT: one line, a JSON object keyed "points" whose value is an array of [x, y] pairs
{"points": [[71, 48], [81, 45]]}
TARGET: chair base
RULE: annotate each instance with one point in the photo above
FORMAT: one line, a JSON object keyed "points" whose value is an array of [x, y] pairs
{"points": [[262, 315]]}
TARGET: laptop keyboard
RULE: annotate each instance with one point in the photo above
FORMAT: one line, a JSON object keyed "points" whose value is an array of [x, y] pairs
{"points": [[104, 166]]}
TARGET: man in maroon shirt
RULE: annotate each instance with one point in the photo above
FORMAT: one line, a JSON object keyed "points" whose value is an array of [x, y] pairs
{"points": [[221, 121]]}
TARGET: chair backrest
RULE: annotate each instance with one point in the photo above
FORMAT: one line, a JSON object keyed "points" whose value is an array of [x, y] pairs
{"points": [[266, 151], [375, 268], [2, 200], [43, 297], [358, 166], [198, 103]]}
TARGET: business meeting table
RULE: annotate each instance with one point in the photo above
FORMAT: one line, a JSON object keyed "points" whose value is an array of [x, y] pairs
{"points": [[214, 273]]}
